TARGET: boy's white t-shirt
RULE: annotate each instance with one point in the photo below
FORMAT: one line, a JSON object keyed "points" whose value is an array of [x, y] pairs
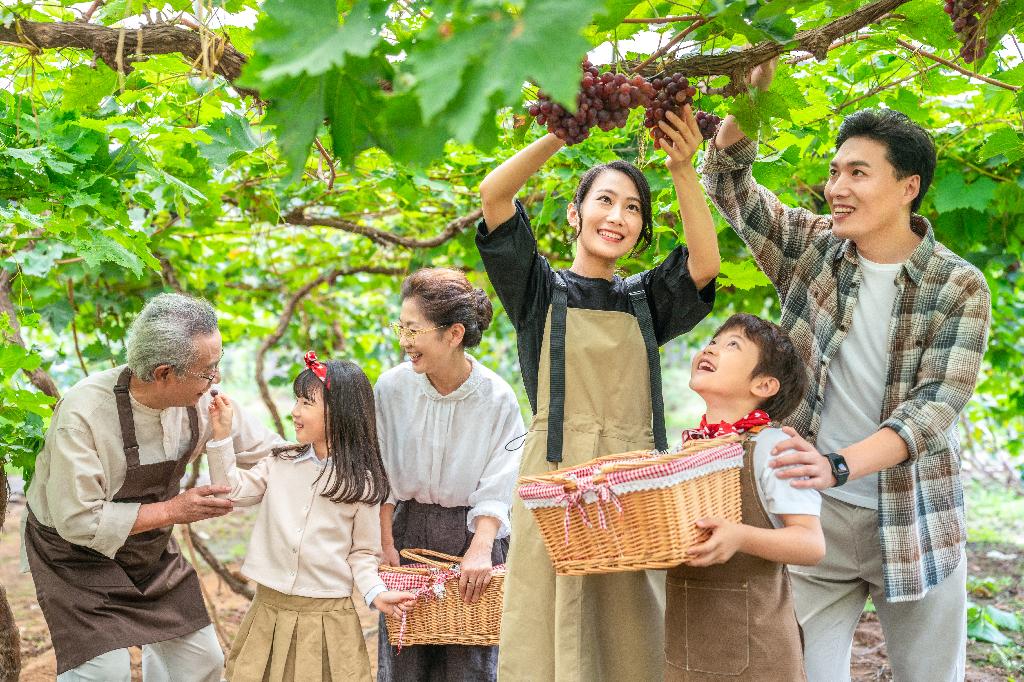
{"points": [[777, 495]]}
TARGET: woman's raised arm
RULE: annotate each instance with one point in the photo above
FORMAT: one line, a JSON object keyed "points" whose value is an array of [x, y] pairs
{"points": [[499, 188]]}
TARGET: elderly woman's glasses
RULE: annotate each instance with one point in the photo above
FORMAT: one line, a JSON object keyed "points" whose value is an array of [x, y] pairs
{"points": [[411, 334]]}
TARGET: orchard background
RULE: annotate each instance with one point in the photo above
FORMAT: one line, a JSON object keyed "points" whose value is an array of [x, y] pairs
{"points": [[291, 160]]}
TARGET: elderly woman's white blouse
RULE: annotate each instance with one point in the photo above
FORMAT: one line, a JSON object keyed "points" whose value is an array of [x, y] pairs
{"points": [[460, 449]]}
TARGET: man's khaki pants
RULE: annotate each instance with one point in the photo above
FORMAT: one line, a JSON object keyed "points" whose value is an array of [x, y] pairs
{"points": [[926, 639]]}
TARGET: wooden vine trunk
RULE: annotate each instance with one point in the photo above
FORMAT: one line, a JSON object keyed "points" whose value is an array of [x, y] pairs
{"points": [[10, 641]]}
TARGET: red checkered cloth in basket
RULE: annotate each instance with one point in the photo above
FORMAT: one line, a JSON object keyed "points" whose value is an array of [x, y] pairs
{"points": [[423, 586], [585, 473], [410, 582]]}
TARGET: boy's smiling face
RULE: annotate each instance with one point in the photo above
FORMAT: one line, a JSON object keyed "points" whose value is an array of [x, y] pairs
{"points": [[723, 371]]}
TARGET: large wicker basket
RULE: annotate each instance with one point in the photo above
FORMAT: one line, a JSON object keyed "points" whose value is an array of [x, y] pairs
{"points": [[440, 616], [634, 510]]}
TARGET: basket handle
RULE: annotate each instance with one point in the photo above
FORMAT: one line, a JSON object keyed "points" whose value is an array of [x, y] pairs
{"points": [[424, 556]]}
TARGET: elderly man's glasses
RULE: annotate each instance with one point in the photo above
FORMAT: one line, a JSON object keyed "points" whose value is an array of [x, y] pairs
{"points": [[208, 378]]}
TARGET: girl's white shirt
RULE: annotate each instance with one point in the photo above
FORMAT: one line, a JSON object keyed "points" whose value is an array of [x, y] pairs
{"points": [[302, 543], [460, 449]]}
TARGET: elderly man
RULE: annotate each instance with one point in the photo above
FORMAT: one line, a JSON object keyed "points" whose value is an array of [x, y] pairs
{"points": [[106, 496]]}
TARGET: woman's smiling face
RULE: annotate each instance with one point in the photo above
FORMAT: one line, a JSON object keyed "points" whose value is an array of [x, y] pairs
{"points": [[427, 350], [609, 219]]}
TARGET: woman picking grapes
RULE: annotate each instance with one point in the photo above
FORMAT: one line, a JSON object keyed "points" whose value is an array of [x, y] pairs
{"points": [[588, 343]]}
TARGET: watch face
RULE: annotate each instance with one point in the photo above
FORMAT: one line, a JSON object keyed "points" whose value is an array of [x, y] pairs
{"points": [[842, 468]]}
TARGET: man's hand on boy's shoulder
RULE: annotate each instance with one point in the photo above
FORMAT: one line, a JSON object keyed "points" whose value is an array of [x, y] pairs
{"points": [[726, 539], [795, 458]]}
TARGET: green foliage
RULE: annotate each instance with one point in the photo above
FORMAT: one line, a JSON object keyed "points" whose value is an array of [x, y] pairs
{"points": [[115, 187], [986, 623]]}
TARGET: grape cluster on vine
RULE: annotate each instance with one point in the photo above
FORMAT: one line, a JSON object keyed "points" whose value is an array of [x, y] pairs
{"points": [[605, 99], [671, 94], [969, 19], [708, 124]]}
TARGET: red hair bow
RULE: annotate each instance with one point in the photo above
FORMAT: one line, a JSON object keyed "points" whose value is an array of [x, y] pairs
{"points": [[318, 368]]}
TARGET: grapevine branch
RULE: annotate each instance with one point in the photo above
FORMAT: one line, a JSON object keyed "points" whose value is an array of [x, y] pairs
{"points": [[298, 216], [885, 86], [285, 320], [39, 377], [736, 64], [116, 47], [956, 67], [237, 585], [662, 20]]}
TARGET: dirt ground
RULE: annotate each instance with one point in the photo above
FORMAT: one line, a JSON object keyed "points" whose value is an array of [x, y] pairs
{"points": [[227, 537]]}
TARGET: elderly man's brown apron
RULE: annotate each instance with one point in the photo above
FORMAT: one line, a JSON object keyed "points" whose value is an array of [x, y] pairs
{"points": [[596, 627], [734, 621], [147, 593]]}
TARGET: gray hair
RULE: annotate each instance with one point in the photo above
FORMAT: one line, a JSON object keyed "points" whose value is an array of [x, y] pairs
{"points": [[164, 333]]}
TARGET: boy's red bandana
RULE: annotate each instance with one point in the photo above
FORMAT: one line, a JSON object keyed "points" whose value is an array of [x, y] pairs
{"points": [[705, 430], [318, 368]]}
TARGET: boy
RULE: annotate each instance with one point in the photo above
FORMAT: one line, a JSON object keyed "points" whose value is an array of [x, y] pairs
{"points": [[729, 612]]}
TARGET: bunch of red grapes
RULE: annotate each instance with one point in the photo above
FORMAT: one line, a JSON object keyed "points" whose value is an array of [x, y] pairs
{"points": [[967, 17], [672, 94], [605, 99]]}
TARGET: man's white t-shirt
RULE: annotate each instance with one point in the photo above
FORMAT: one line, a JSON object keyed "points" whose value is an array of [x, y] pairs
{"points": [[855, 385], [777, 495]]}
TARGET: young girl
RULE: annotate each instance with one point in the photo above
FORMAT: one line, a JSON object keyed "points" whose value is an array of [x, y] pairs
{"points": [[446, 424], [588, 349], [317, 533]]}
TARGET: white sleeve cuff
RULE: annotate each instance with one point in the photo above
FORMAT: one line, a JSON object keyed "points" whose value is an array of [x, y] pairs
{"points": [[495, 508], [215, 444], [116, 522], [373, 593]]}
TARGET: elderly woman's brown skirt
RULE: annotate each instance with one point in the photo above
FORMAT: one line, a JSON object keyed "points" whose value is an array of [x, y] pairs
{"points": [[285, 638]]}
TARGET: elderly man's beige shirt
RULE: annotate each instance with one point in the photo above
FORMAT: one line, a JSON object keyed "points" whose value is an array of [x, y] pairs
{"points": [[82, 464]]}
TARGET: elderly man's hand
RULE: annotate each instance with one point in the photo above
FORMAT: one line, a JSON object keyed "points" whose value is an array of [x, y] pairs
{"points": [[198, 503]]}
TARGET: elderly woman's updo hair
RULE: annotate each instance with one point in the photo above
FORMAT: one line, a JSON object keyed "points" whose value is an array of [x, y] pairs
{"points": [[446, 297]]}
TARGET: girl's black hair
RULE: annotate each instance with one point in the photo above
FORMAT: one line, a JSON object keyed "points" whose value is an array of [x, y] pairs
{"points": [[355, 472], [634, 174]]}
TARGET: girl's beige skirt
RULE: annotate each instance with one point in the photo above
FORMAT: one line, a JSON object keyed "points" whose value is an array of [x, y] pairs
{"points": [[285, 638]]}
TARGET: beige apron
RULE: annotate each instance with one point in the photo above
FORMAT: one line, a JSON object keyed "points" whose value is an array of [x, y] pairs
{"points": [[734, 621], [601, 627]]}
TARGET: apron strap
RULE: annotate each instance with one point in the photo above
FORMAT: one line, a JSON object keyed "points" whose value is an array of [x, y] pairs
{"points": [[642, 311], [556, 399], [124, 416]]}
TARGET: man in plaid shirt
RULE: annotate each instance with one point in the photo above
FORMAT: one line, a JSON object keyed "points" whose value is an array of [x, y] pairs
{"points": [[892, 326]]}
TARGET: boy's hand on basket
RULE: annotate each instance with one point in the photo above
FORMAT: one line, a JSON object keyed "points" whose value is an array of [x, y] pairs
{"points": [[726, 539], [476, 573], [394, 603]]}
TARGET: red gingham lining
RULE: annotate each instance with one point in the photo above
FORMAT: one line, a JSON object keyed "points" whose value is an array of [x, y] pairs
{"points": [[407, 582], [585, 472]]}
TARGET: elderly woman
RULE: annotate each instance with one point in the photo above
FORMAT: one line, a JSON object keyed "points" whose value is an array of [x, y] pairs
{"points": [[447, 427], [106, 495]]}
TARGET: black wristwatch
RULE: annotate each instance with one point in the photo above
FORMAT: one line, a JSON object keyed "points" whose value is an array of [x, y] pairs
{"points": [[840, 469]]}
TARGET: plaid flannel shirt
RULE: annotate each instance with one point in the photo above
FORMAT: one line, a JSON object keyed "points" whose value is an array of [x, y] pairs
{"points": [[937, 336]]}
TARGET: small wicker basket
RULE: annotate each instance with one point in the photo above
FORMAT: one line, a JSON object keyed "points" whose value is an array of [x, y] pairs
{"points": [[635, 510], [440, 616]]}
